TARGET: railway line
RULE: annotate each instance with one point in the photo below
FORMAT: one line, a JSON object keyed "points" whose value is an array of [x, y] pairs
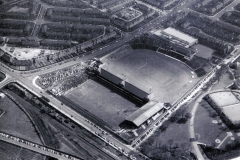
{"points": [[106, 156], [36, 147]]}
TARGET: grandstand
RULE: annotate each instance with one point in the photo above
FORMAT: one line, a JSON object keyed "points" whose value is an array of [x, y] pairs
{"points": [[144, 113], [163, 46], [111, 77], [127, 84]]}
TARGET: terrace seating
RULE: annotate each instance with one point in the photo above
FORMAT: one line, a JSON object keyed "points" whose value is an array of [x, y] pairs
{"points": [[193, 64], [148, 43], [200, 72]]}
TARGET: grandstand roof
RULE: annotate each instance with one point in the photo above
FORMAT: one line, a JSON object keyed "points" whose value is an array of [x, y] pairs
{"points": [[145, 112], [175, 33]]}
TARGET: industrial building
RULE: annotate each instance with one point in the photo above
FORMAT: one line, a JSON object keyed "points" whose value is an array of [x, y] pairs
{"points": [[227, 104], [177, 37]]}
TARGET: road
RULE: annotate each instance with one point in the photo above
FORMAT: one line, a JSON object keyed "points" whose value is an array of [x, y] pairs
{"points": [[191, 128], [234, 55], [221, 12], [186, 98], [191, 124], [75, 116], [227, 8]]}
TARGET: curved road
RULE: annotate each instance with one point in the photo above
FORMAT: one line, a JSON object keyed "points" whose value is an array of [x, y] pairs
{"points": [[191, 124]]}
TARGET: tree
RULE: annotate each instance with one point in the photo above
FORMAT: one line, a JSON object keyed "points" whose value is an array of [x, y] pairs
{"points": [[181, 111], [176, 144], [170, 142], [164, 148], [213, 114], [188, 115], [177, 153], [233, 65], [164, 126], [184, 146], [173, 118], [166, 156]]}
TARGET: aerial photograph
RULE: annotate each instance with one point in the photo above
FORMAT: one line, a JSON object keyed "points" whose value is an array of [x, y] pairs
{"points": [[119, 79]]}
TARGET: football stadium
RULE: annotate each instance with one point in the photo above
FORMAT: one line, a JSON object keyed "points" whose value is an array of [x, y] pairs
{"points": [[131, 86]]}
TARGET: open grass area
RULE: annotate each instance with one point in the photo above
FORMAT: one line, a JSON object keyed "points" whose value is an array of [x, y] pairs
{"points": [[9, 151], [168, 144], [210, 127], [154, 72], [103, 101], [15, 122], [203, 51], [48, 135], [204, 126], [223, 82]]}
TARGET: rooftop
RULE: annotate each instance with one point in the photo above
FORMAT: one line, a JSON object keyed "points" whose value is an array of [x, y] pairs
{"points": [[145, 112], [175, 33], [225, 98], [232, 112]]}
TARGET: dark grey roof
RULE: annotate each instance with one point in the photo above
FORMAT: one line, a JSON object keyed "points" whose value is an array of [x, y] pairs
{"points": [[145, 112]]}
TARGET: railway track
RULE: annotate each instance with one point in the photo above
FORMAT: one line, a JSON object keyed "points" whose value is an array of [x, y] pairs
{"points": [[91, 145]]}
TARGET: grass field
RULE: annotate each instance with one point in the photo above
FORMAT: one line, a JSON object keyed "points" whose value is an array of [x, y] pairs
{"points": [[203, 125], [103, 101], [8, 151], [203, 51], [223, 82], [15, 122], [167, 78], [209, 131]]}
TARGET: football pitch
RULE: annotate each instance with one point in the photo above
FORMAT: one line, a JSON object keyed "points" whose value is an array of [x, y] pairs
{"points": [[103, 101], [166, 78]]}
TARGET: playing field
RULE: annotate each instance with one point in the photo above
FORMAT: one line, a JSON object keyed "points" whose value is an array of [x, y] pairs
{"points": [[103, 101], [167, 78]]}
